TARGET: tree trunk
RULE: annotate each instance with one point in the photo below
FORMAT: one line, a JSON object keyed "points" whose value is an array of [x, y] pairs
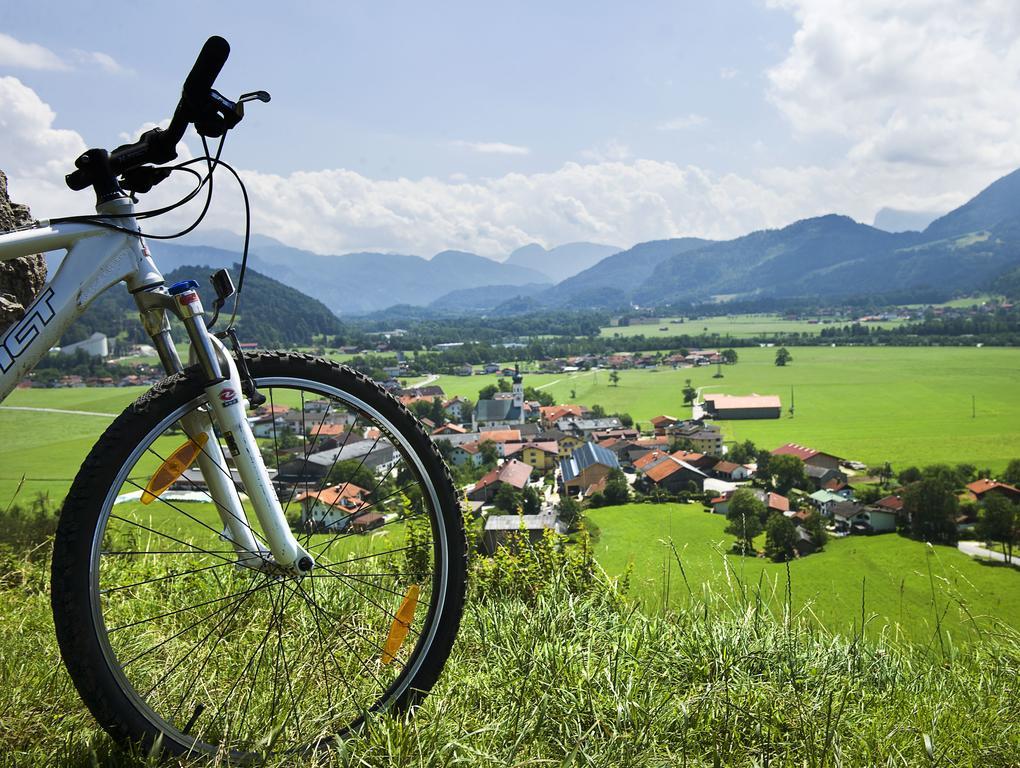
{"points": [[20, 279]]}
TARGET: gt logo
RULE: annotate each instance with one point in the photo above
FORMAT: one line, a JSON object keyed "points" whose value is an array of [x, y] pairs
{"points": [[228, 396], [24, 333]]}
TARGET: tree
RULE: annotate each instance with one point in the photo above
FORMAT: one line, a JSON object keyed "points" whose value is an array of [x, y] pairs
{"points": [[598, 412], [626, 419], [931, 507], [352, 471], [1012, 473], [490, 453], [531, 501], [909, 475], [507, 499], [787, 472], [614, 378], [489, 391], [729, 356], [573, 394], [570, 511], [689, 392], [999, 520], [543, 398], [780, 537], [617, 490], [815, 526], [745, 513], [783, 356], [742, 453]]}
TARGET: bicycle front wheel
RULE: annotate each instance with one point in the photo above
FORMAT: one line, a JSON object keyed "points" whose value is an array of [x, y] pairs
{"points": [[169, 634]]}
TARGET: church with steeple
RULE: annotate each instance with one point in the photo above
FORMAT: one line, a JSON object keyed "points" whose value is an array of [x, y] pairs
{"points": [[506, 408]]}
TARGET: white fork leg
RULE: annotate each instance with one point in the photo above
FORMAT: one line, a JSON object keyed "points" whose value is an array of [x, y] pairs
{"points": [[227, 406], [216, 473]]}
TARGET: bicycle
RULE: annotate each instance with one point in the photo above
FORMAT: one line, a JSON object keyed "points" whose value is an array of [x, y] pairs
{"points": [[214, 591]]}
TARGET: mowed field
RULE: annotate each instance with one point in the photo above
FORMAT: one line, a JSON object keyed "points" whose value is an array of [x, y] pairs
{"points": [[905, 405], [732, 326], [905, 588]]}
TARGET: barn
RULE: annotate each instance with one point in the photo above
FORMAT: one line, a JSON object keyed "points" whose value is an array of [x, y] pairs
{"points": [[746, 407]]}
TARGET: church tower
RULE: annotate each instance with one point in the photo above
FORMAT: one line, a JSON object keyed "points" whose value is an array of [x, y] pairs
{"points": [[518, 393]]}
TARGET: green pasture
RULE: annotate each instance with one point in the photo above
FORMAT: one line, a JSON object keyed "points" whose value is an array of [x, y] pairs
{"points": [[732, 326], [904, 588], [906, 405]]}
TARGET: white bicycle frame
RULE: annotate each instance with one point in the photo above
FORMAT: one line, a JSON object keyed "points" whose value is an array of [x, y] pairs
{"points": [[97, 258]]}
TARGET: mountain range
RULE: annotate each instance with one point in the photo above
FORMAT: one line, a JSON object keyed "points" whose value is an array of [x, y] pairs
{"points": [[823, 257]]}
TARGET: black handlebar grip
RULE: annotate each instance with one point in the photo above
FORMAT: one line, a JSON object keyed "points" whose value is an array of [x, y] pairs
{"points": [[207, 66]]}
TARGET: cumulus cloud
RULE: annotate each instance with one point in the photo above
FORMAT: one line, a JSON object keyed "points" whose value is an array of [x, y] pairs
{"points": [[14, 53], [683, 122], [35, 155], [923, 92], [492, 147]]}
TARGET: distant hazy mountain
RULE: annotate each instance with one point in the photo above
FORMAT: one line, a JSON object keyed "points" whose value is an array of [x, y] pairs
{"points": [[601, 284], [563, 261], [356, 283], [895, 220], [827, 256], [996, 204], [486, 297]]}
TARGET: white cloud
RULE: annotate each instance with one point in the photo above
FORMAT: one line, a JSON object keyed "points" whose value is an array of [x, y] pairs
{"points": [[682, 123], [14, 53], [35, 155], [104, 61], [922, 92], [728, 73], [492, 147]]}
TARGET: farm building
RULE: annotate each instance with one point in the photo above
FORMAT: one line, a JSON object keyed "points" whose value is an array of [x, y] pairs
{"points": [[586, 466], [747, 407], [673, 474], [773, 502], [810, 456], [500, 528]]}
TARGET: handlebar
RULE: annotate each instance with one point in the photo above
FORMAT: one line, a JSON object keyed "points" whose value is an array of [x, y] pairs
{"points": [[211, 113]]}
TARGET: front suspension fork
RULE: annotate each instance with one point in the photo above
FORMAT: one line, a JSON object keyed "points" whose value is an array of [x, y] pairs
{"points": [[227, 411]]}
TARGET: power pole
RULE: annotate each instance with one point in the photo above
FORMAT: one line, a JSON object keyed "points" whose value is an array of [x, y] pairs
{"points": [[791, 401], [973, 407]]}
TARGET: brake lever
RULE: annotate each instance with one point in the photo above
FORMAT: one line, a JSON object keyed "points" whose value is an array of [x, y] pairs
{"points": [[262, 96]]}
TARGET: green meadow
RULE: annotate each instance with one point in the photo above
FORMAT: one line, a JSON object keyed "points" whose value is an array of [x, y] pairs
{"points": [[903, 589], [906, 405], [730, 326]]}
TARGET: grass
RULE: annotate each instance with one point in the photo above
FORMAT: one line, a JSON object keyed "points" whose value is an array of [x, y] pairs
{"points": [[906, 590], [730, 326], [906, 405], [587, 681]]}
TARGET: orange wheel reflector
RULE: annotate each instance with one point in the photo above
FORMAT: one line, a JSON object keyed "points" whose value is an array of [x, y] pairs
{"points": [[401, 624], [173, 467]]}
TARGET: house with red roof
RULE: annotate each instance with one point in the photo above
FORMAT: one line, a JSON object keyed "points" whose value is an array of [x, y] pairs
{"points": [[333, 508], [810, 456], [514, 473], [980, 489]]}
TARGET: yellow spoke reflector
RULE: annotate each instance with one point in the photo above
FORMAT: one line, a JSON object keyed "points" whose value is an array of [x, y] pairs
{"points": [[401, 624], [174, 466]]}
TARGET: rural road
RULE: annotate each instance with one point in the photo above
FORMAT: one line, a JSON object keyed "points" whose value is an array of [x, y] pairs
{"points": [[56, 410], [974, 549]]}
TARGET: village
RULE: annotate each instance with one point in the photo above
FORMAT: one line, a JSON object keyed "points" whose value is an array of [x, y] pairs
{"points": [[524, 468]]}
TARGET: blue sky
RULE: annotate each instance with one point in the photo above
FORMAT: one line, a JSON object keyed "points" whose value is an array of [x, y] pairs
{"points": [[414, 127]]}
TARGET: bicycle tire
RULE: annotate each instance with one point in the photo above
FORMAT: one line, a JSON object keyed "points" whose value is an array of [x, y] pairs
{"points": [[88, 600]]}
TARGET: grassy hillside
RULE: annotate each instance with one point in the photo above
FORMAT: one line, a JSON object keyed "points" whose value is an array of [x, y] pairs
{"points": [[907, 405], [906, 590], [584, 680]]}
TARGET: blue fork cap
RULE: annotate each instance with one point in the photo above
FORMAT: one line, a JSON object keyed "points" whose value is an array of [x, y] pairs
{"points": [[183, 287]]}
